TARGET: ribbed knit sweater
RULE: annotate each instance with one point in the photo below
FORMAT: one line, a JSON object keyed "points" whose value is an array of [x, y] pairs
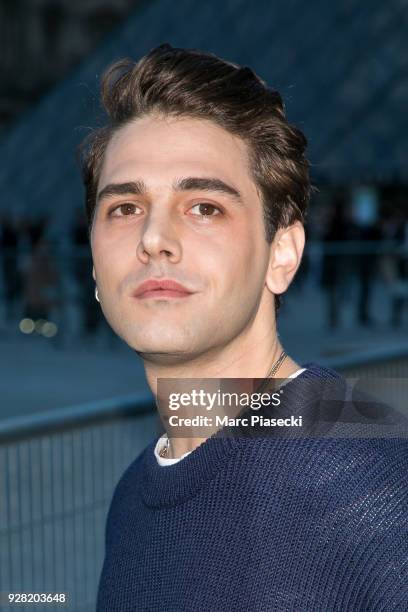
{"points": [[261, 524]]}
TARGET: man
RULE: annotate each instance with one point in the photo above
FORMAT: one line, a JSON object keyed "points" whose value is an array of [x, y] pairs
{"points": [[196, 195]]}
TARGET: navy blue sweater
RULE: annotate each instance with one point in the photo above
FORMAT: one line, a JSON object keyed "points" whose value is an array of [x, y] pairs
{"points": [[261, 524]]}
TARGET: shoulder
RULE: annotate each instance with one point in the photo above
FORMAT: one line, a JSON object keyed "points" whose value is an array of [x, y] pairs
{"points": [[358, 480], [345, 489], [339, 461]]}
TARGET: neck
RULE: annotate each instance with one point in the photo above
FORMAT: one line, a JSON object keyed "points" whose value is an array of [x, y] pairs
{"points": [[243, 358]]}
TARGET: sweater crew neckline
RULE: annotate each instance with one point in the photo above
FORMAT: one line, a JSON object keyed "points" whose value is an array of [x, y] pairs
{"points": [[177, 483]]}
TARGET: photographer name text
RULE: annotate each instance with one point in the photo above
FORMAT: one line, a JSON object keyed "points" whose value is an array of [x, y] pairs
{"points": [[226, 421]]}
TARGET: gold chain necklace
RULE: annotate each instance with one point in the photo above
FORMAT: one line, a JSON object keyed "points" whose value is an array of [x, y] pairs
{"points": [[275, 367]]}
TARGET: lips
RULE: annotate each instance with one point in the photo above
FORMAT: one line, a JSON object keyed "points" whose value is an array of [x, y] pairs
{"points": [[161, 288]]}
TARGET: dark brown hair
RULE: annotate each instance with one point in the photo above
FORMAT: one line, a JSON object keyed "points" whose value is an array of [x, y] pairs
{"points": [[190, 83]]}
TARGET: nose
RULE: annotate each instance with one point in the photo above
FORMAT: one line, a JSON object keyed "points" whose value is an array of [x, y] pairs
{"points": [[158, 239]]}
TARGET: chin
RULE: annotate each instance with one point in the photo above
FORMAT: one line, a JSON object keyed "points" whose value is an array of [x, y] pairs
{"points": [[158, 343], [161, 354]]}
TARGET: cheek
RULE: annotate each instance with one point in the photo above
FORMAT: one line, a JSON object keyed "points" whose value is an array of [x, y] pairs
{"points": [[247, 252], [250, 257], [111, 260], [227, 264]]}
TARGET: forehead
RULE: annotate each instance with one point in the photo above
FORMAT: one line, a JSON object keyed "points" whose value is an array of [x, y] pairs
{"points": [[160, 147]]}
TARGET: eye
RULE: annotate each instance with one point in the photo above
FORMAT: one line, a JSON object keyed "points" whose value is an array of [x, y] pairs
{"points": [[205, 210], [126, 210]]}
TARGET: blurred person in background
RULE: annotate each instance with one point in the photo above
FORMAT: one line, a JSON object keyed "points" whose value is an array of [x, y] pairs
{"points": [[337, 265], [89, 312], [368, 236], [40, 277], [11, 275], [395, 262]]}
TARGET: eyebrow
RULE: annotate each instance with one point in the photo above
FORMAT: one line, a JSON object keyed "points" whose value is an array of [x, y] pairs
{"points": [[190, 183]]}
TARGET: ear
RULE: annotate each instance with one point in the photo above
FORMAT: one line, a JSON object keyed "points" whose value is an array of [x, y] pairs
{"points": [[93, 273], [285, 257]]}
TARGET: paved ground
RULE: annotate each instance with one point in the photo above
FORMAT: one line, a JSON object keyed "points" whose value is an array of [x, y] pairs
{"points": [[40, 374]]}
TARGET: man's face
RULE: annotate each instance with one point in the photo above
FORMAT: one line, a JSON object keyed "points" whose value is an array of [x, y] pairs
{"points": [[208, 240]]}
